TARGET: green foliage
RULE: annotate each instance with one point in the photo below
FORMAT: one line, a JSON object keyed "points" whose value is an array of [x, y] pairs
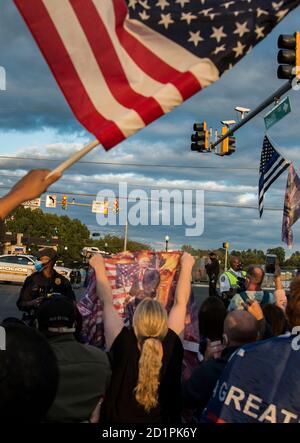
{"points": [[294, 261], [116, 244], [72, 234], [250, 257]]}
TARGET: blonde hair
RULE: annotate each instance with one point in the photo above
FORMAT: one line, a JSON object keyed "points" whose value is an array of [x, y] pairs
{"points": [[150, 324]]}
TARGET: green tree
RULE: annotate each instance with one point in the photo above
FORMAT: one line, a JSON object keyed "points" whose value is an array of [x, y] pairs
{"points": [[294, 261], [72, 234], [116, 244]]}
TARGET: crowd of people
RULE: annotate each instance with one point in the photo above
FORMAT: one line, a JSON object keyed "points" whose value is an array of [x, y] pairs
{"points": [[48, 375]]}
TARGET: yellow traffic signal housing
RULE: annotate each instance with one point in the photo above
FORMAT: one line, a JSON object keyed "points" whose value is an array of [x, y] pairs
{"points": [[228, 145], [64, 202], [200, 139], [289, 56], [225, 143]]}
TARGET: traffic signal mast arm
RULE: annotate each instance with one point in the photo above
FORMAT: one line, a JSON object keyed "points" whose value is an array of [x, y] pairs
{"points": [[270, 100], [289, 56]]}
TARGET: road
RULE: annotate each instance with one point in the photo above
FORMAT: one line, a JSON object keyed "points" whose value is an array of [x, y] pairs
{"points": [[9, 295]]}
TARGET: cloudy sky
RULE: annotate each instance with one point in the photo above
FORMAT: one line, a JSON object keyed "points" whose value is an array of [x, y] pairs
{"points": [[36, 123]]}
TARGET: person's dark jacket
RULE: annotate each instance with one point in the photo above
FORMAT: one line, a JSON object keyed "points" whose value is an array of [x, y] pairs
{"points": [[84, 377], [213, 270], [199, 388], [38, 286]]}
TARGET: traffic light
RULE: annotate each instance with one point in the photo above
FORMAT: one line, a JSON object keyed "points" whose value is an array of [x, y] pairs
{"points": [[116, 206], [200, 139], [64, 202], [105, 207], [288, 56], [228, 145], [226, 245]]}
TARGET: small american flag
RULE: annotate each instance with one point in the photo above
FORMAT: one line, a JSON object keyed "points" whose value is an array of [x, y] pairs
{"points": [[123, 64], [272, 165]]}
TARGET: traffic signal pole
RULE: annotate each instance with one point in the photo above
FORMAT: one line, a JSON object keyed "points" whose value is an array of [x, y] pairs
{"points": [[271, 99]]}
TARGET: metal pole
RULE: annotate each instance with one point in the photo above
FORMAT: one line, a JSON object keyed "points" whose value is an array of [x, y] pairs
{"points": [[226, 259], [271, 99]]}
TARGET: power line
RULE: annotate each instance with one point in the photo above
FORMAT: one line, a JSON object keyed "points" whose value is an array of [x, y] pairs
{"points": [[141, 165], [140, 185], [223, 205]]}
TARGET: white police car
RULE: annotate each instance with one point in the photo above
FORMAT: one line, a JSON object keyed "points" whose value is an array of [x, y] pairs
{"points": [[16, 268]]}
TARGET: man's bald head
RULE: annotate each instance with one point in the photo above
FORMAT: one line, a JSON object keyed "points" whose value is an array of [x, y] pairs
{"points": [[241, 327], [255, 274]]}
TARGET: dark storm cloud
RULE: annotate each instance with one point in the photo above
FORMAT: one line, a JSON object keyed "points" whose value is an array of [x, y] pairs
{"points": [[32, 99]]}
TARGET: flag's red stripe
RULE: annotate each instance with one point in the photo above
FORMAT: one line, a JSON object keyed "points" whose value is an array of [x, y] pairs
{"points": [[40, 24], [108, 61], [186, 83]]}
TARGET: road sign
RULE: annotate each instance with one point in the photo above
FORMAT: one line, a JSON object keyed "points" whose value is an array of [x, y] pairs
{"points": [[36, 203], [96, 207], [51, 201], [278, 112], [100, 207]]}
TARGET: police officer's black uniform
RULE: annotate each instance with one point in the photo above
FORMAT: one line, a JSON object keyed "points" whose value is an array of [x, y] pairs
{"points": [[37, 286]]}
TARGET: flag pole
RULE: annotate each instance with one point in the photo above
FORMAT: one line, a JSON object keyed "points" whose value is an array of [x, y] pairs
{"points": [[74, 158]]}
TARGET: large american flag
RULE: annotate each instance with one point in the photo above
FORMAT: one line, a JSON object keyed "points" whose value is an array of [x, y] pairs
{"points": [[272, 165], [121, 65]]}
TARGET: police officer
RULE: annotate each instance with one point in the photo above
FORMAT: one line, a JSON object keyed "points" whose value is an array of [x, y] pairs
{"points": [[213, 270], [231, 280], [42, 283]]}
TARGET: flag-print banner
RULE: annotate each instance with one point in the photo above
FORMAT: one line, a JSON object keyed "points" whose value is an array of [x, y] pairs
{"points": [[134, 276]]}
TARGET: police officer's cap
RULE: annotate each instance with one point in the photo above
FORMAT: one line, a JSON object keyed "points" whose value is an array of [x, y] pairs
{"points": [[47, 252]]}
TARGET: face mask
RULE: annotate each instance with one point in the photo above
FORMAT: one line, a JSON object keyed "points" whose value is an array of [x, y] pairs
{"points": [[38, 266]]}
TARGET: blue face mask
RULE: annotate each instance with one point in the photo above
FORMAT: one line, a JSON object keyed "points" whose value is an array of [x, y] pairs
{"points": [[38, 266]]}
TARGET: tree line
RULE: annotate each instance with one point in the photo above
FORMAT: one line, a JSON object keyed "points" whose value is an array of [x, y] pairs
{"points": [[251, 256]]}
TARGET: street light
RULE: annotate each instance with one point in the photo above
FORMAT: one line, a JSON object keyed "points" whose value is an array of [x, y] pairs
{"points": [[66, 248], [167, 238]]}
